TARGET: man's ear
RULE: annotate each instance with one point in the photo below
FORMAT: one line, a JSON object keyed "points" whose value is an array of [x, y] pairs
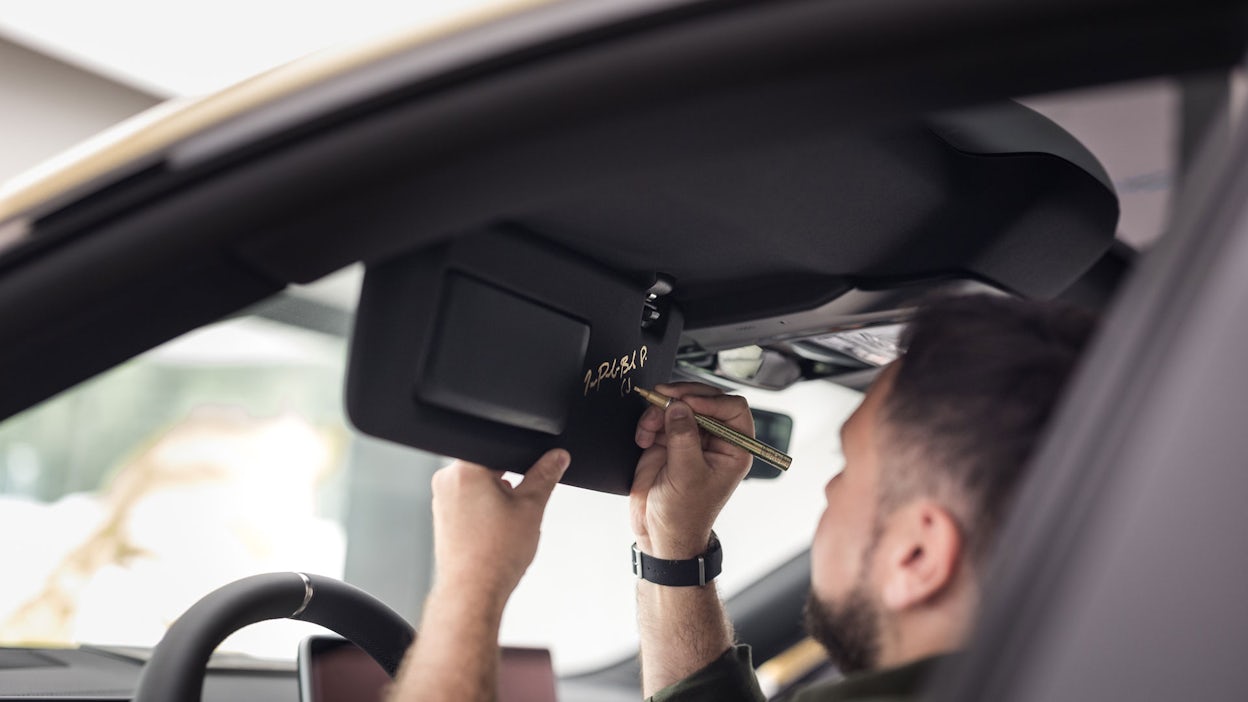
{"points": [[922, 547]]}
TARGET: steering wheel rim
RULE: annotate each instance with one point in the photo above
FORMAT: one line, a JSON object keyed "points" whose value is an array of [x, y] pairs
{"points": [[179, 662]]}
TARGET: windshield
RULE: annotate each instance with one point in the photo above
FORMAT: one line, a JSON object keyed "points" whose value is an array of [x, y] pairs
{"points": [[226, 453]]}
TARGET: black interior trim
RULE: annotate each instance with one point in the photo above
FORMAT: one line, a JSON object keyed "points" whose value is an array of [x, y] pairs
{"points": [[1095, 289], [123, 323]]}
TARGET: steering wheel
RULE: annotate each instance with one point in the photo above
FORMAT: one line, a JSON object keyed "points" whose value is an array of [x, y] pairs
{"points": [[178, 664]]}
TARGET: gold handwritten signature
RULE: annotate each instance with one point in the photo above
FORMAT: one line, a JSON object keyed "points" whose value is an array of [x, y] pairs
{"points": [[618, 368]]}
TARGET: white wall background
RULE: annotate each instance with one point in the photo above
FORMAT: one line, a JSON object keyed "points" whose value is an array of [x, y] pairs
{"points": [[47, 106]]}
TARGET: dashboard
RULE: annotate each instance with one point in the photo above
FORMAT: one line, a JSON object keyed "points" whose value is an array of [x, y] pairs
{"points": [[91, 674], [110, 674]]}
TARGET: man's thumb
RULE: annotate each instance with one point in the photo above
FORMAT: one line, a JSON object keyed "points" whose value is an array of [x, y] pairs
{"points": [[682, 431], [540, 480]]}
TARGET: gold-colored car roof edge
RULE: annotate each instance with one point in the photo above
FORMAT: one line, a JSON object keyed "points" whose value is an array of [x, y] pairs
{"points": [[135, 141]]}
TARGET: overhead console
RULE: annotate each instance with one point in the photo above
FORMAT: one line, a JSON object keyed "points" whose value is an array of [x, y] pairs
{"points": [[497, 347]]}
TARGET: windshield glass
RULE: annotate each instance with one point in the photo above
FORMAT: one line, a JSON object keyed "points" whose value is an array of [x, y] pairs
{"points": [[226, 453]]}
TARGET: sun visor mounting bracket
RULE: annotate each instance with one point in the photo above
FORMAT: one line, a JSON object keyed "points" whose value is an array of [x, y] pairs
{"points": [[652, 311]]}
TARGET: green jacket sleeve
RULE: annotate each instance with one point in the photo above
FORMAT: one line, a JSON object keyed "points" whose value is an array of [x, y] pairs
{"points": [[729, 678]]}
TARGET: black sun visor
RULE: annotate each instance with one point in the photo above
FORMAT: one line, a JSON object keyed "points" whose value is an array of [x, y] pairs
{"points": [[498, 347]]}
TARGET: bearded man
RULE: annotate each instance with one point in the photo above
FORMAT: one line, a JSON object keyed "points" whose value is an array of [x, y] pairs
{"points": [[932, 458]]}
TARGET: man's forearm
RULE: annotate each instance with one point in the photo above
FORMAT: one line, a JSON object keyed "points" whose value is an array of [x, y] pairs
{"points": [[683, 629], [455, 656]]}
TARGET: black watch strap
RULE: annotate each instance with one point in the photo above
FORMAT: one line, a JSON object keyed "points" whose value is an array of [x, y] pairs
{"points": [[681, 573]]}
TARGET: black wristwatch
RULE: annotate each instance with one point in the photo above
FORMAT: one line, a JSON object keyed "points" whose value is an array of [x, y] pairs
{"points": [[682, 573]]}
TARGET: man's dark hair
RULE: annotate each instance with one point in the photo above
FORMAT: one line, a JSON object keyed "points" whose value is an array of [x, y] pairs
{"points": [[970, 399]]}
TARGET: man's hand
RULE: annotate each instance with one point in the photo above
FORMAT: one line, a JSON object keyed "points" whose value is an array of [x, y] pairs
{"points": [[684, 477], [682, 482], [484, 537], [486, 531]]}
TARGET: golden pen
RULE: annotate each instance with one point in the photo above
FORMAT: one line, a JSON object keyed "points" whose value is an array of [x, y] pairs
{"points": [[756, 448]]}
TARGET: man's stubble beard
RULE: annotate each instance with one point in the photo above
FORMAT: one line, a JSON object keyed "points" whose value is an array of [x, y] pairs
{"points": [[849, 629]]}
